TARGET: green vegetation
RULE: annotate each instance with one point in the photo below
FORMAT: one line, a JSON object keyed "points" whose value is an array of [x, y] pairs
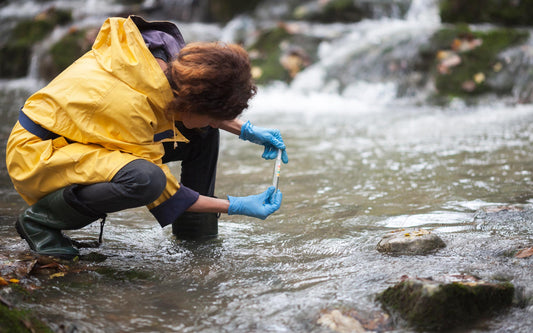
{"points": [[505, 12], [16, 52], [68, 49], [268, 53], [276, 45], [333, 11], [20, 321], [224, 10]]}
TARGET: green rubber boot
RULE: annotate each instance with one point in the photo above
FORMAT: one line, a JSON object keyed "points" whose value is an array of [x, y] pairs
{"points": [[41, 224], [196, 226]]}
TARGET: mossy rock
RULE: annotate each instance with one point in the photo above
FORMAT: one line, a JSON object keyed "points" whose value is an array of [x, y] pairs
{"points": [[272, 45], [348, 11], [224, 10], [15, 54], [22, 321], [63, 53], [447, 302], [505, 12], [331, 11], [478, 62]]}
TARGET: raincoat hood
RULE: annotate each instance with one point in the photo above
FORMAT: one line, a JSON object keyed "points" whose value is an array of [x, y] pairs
{"points": [[120, 50], [115, 95]]}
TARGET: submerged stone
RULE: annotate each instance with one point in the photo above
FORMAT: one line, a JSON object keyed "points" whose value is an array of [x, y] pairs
{"points": [[350, 320], [447, 302], [338, 322], [410, 241]]}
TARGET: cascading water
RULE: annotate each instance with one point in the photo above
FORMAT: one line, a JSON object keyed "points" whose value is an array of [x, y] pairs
{"points": [[363, 161]]}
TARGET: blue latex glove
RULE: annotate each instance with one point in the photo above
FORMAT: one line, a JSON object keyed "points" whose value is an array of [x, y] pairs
{"points": [[270, 138], [259, 205]]}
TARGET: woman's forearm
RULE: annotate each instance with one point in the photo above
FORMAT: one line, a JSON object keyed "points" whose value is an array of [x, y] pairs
{"points": [[206, 204], [233, 126]]}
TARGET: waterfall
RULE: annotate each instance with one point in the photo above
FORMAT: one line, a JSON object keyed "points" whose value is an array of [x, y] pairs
{"points": [[371, 60], [426, 11]]}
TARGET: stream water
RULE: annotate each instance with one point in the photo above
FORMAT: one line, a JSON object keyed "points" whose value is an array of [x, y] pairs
{"points": [[361, 165]]}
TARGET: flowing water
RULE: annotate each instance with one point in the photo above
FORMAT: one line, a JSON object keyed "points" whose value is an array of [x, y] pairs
{"points": [[361, 164]]}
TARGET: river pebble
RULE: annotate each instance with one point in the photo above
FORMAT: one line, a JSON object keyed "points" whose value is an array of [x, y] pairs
{"points": [[410, 241]]}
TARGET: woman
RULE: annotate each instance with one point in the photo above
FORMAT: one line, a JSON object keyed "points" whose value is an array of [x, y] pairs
{"points": [[95, 140]]}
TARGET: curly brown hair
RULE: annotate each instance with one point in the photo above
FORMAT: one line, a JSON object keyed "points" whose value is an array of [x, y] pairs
{"points": [[212, 79]]}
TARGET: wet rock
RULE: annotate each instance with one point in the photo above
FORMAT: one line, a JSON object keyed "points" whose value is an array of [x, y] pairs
{"points": [[410, 241], [445, 302]]}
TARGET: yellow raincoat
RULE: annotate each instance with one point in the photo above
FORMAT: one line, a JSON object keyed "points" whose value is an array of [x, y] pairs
{"points": [[107, 109]]}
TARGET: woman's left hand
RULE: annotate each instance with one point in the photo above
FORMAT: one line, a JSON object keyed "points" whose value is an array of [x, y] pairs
{"points": [[270, 138]]}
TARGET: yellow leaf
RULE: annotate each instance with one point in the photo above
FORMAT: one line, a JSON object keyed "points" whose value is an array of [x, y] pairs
{"points": [[3, 282], [257, 72], [14, 281], [60, 274], [479, 78]]}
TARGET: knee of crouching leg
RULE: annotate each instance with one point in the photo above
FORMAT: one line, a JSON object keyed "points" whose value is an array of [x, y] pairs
{"points": [[156, 184], [146, 182]]}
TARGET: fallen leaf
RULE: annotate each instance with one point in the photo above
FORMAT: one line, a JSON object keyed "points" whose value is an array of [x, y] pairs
{"points": [[3, 282], [60, 274], [469, 86], [525, 253], [479, 78], [257, 72]]}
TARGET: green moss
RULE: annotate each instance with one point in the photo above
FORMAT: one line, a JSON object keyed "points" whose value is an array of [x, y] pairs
{"points": [[269, 53], [339, 11], [131, 2], [20, 321], [478, 60], [14, 60], [15, 54], [445, 306], [506, 12], [224, 10], [68, 49], [266, 53], [31, 31]]}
